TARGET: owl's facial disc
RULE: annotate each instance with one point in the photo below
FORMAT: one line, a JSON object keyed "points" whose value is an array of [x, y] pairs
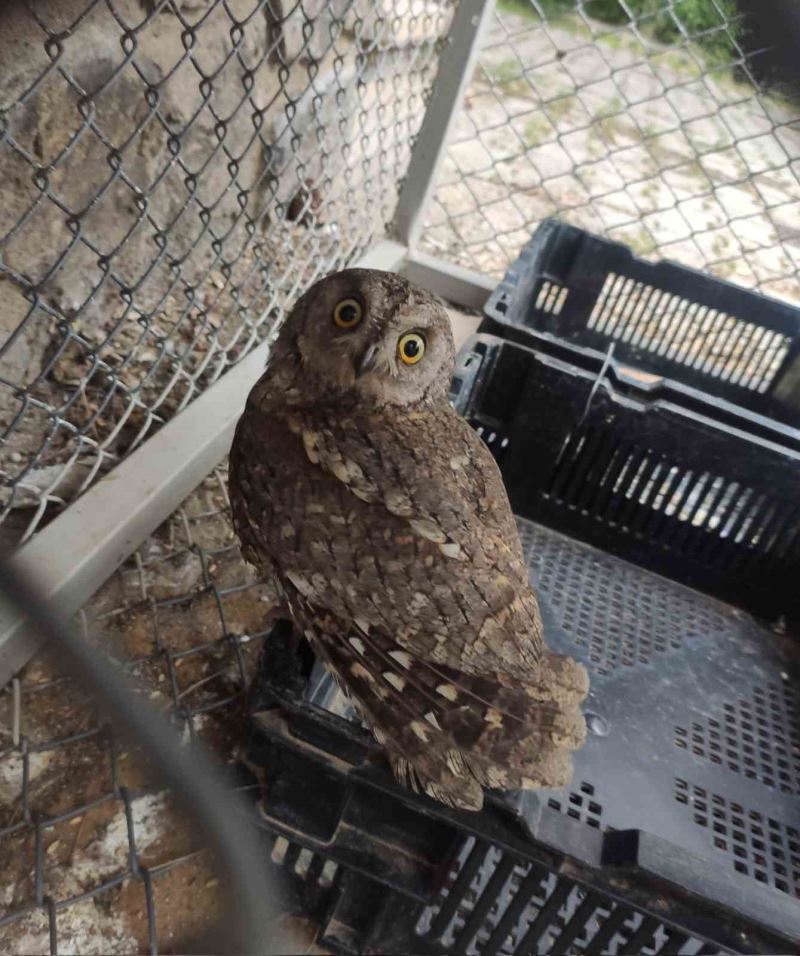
{"points": [[373, 337]]}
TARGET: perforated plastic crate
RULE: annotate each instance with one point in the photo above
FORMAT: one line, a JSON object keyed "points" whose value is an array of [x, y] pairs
{"points": [[678, 833], [680, 830], [617, 461], [665, 319]]}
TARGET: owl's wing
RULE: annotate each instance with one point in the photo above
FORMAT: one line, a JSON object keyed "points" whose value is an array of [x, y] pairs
{"points": [[458, 595], [446, 731]]}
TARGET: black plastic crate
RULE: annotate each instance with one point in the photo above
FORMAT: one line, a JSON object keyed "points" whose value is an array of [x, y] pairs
{"points": [[663, 318], [678, 833], [596, 453]]}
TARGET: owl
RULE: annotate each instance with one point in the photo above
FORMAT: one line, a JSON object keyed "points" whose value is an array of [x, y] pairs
{"points": [[383, 521]]}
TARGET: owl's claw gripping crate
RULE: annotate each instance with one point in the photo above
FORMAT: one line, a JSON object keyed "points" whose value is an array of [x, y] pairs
{"points": [[679, 831]]}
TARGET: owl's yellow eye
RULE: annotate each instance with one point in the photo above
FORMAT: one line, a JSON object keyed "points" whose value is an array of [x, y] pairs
{"points": [[347, 314], [411, 348]]}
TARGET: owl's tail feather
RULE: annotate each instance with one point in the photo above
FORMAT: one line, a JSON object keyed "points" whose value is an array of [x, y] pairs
{"points": [[533, 752], [560, 679], [456, 776], [459, 751], [457, 792], [449, 733]]}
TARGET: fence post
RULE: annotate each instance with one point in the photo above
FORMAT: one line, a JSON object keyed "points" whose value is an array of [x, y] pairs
{"points": [[456, 64]]}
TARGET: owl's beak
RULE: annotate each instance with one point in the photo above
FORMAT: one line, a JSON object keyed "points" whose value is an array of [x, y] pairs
{"points": [[368, 360]]}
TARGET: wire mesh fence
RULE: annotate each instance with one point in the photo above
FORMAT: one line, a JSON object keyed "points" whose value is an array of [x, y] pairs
{"points": [[659, 123], [94, 855], [174, 173]]}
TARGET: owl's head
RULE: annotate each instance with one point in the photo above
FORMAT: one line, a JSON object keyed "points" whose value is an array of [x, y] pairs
{"points": [[374, 336]]}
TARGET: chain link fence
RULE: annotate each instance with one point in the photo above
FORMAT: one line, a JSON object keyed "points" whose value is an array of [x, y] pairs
{"points": [[658, 123], [174, 174], [95, 856]]}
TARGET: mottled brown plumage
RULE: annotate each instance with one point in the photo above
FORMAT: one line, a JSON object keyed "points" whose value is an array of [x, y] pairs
{"points": [[384, 521]]}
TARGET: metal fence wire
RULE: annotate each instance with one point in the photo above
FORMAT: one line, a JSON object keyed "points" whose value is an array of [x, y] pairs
{"points": [[663, 124], [174, 173], [95, 855]]}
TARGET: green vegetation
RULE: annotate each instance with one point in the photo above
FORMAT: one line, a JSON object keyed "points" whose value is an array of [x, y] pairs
{"points": [[679, 62], [721, 246], [614, 40], [608, 128], [651, 191], [557, 109], [506, 71], [596, 146], [526, 8], [508, 75], [713, 30], [537, 131], [711, 24], [611, 107], [640, 240], [724, 269]]}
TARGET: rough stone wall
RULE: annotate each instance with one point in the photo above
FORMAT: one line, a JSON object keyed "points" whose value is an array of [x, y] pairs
{"points": [[172, 174]]}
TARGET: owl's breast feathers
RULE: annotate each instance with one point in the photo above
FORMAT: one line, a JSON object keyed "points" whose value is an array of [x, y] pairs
{"points": [[394, 541]]}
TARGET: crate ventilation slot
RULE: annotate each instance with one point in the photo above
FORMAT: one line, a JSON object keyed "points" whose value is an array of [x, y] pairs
{"points": [[494, 903], [683, 331], [638, 489], [758, 738], [303, 862], [758, 846], [551, 297], [580, 804], [494, 438]]}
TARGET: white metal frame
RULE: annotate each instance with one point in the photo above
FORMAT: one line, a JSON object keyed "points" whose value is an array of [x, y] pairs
{"points": [[456, 64], [72, 557]]}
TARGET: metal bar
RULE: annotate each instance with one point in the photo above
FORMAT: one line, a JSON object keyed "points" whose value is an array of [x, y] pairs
{"points": [[545, 917], [608, 930], [643, 935], [79, 550], [455, 283], [520, 900], [456, 65], [576, 925], [674, 943]]}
